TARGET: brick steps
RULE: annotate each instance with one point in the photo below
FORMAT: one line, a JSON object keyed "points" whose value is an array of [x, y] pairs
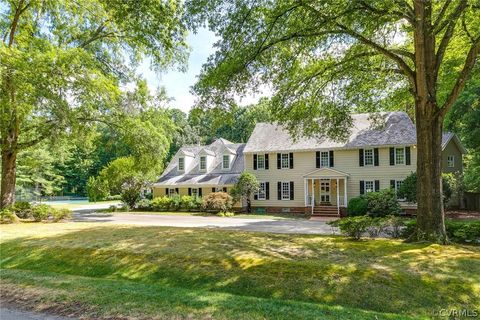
{"points": [[325, 211]]}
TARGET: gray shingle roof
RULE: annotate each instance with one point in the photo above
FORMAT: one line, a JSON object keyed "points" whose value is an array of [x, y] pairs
{"points": [[378, 129], [215, 175]]}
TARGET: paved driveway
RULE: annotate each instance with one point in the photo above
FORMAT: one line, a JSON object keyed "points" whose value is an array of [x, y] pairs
{"points": [[317, 226]]}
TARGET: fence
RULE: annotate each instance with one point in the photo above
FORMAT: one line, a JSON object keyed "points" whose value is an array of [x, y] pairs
{"points": [[472, 201]]}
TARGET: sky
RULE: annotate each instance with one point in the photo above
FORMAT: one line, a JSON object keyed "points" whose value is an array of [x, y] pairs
{"points": [[178, 83]]}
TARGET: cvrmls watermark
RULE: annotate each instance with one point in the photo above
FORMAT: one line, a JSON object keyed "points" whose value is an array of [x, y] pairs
{"points": [[456, 313]]}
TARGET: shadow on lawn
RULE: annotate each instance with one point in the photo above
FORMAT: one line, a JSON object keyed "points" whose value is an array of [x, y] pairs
{"points": [[381, 275]]}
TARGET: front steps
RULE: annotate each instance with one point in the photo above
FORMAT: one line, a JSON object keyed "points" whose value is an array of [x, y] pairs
{"points": [[325, 211]]}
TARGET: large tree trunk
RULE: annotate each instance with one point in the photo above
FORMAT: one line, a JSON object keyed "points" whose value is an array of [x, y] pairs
{"points": [[430, 213], [9, 165]]}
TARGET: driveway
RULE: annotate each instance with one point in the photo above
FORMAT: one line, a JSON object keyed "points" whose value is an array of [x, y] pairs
{"points": [[11, 313], [314, 226]]}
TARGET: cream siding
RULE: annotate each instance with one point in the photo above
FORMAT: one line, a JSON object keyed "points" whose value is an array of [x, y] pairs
{"points": [[344, 160]]}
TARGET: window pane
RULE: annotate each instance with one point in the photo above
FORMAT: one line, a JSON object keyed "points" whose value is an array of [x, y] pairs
{"points": [[398, 183], [194, 192], [285, 160], [203, 163], [261, 161], [285, 190], [181, 164], [324, 159], [226, 161], [369, 186], [262, 191], [368, 157], [171, 192], [399, 155], [450, 161]]}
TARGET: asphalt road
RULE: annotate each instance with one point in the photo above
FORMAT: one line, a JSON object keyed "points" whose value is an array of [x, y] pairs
{"points": [[294, 226], [13, 314]]}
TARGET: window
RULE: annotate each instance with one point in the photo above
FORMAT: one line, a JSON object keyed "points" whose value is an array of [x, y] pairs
{"points": [[398, 184], [171, 192], [203, 163], [368, 157], [285, 161], [451, 161], [262, 191], [226, 161], [194, 192], [261, 161], [369, 186], [324, 159], [181, 164], [399, 155], [285, 190]]}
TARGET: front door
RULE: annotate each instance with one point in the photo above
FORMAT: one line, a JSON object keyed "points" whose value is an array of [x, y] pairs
{"points": [[325, 190]]}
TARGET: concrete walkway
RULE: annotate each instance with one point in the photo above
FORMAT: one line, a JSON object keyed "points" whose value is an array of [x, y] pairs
{"points": [[314, 226], [14, 314]]}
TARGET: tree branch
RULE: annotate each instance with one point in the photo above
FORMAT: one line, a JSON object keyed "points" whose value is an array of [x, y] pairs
{"points": [[470, 61], [406, 15], [437, 22]]}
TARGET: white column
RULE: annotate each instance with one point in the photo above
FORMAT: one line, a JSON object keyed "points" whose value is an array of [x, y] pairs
{"points": [[345, 192], [313, 193], [305, 190], [338, 197]]}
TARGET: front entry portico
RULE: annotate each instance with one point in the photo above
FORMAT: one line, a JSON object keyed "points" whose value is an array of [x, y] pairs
{"points": [[326, 187]]}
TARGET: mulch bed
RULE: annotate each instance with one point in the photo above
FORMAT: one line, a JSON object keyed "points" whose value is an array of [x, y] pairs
{"points": [[462, 214]]}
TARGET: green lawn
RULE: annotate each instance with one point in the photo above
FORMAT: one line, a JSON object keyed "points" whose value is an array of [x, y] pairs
{"points": [[120, 271], [280, 216]]}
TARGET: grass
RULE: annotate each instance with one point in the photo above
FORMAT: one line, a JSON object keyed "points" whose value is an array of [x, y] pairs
{"points": [[199, 273], [208, 214]]}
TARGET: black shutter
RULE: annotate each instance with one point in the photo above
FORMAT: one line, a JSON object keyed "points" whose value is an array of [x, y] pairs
{"points": [[176, 191], [267, 190], [377, 185], [279, 190], [199, 192], [213, 189], [292, 190], [291, 160], [407, 156], [362, 187], [392, 156], [375, 157], [255, 196], [317, 159], [279, 161], [166, 191], [331, 158], [360, 157], [189, 191], [392, 184], [224, 189], [266, 161], [254, 162]]}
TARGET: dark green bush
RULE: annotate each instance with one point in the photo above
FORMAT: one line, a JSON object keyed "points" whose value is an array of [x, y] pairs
{"points": [[408, 189], [190, 203], [41, 212], [175, 203], [353, 227], [357, 206], [467, 231], [22, 209], [382, 203]]}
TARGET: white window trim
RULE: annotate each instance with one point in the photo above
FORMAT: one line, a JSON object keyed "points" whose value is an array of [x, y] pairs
{"points": [[281, 161], [200, 163], [288, 184], [328, 159], [365, 186], [196, 192], [365, 157], [181, 158], [453, 161], [395, 156], [264, 191], [396, 187], [223, 162], [258, 161]]}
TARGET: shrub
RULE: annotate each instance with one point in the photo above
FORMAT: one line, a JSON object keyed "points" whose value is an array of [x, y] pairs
{"points": [[457, 231], [22, 209], [218, 202], [408, 189], [114, 197], [144, 204], [112, 208], [376, 227], [357, 206], [41, 212], [161, 204], [393, 225], [97, 189], [60, 214], [190, 203], [382, 203], [225, 214], [7, 216], [175, 202], [353, 227]]}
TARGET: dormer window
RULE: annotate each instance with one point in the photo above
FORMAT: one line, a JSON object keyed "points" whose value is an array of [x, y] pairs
{"points": [[203, 163], [181, 164], [226, 162]]}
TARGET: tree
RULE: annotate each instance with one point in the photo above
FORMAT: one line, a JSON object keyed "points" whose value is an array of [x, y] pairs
{"points": [[97, 189], [324, 60], [408, 190], [245, 187], [64, 63]]}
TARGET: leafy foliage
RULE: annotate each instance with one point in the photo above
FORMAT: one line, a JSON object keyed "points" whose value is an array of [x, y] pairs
{"points": [[97, 189], [218, 202], [382, 203], [245, 187], [467, 231], [357, 206], [408, 190]]}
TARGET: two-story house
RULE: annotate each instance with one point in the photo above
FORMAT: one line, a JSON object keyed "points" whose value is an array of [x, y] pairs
{"points": [[320, 175]]}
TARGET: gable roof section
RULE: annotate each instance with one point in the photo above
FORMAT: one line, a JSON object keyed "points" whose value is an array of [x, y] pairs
{"points": [[216, 176], [368, 130], [326, 173], [447, 137]]}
